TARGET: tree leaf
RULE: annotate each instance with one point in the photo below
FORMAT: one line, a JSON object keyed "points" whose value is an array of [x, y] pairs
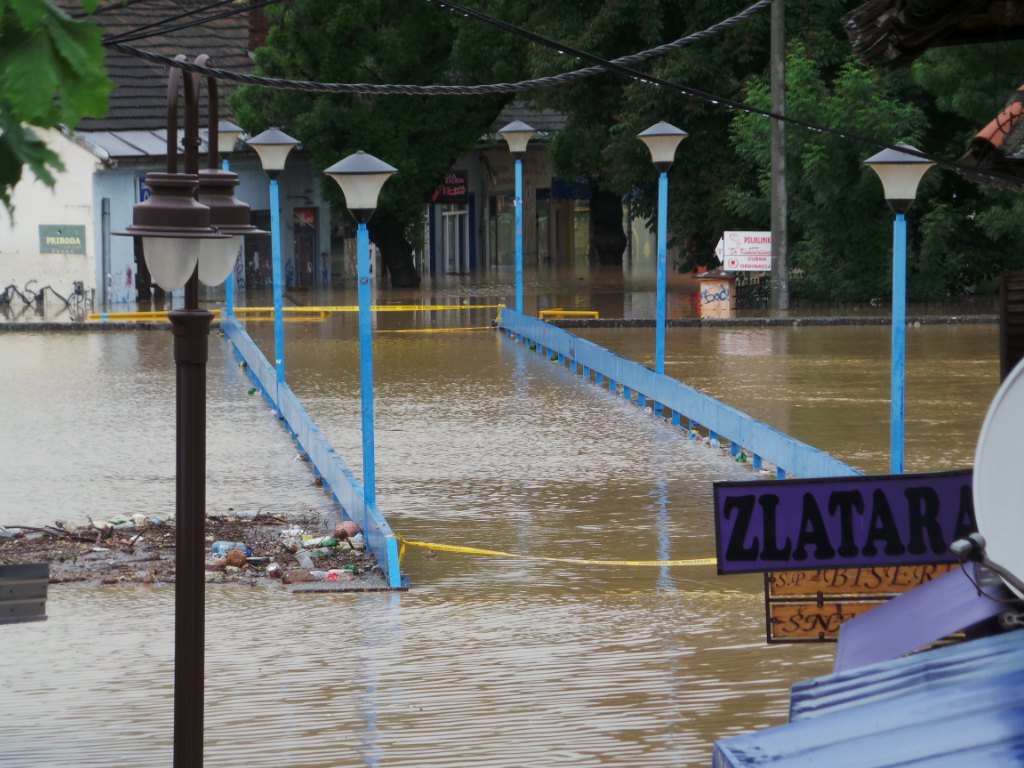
{"points": [[29, 80]]}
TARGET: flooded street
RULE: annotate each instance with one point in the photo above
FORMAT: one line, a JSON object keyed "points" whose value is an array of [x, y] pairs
{"points": [[484, 661]]}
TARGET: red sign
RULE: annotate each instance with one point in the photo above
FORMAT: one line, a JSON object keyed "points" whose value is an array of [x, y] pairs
{"points": [[305, 217], [452, 190]]}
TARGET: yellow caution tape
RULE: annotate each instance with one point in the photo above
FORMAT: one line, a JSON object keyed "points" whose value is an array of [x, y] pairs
{"points": [[574, 560], [436, 330], [321, 311]]}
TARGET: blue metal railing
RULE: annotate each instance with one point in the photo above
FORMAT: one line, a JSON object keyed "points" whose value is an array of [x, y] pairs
{"points": [[722, 422], [336, 475]]}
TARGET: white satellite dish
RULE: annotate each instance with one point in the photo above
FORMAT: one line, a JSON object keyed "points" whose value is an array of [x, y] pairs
{"points": [[999, 476]]}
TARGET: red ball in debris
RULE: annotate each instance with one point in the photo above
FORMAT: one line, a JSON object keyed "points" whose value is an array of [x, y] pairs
{"points": [[346, 529]]}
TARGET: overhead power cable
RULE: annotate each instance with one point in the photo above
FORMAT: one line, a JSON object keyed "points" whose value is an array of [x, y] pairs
{"points": [[453, 90], [158, 28], [614, 66], [599, 65]]}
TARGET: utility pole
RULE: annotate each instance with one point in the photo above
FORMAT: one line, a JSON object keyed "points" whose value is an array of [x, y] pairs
{"points": [[780, 200]]}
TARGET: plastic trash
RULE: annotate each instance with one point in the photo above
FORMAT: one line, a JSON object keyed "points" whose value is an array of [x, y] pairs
{"points": [[304, 559], [346, 529], [220, 549], [357, 541], [319, 541]]}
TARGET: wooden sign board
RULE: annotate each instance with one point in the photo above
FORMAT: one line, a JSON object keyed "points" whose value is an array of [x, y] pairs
{"points": [[811, 606]]}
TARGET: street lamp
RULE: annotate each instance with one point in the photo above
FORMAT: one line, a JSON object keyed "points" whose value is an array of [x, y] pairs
{"points": [[662, 139], [227, 136], [900, 173], [273, 146], [182, 248], [517, 135], [361, 177]]}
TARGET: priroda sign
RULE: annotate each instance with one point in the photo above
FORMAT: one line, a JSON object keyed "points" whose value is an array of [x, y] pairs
{"points": [[841, 522]]}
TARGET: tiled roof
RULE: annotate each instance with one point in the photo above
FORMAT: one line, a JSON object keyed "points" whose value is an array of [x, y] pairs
{"points": [[543, 120], [999, 146], [139, 99], [898, 31]]}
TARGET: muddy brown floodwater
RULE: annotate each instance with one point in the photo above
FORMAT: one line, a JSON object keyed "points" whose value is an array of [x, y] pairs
{"points": [[484, 661]]}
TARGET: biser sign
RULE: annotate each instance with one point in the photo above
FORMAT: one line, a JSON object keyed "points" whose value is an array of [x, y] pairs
{"points": [[841, 522]]}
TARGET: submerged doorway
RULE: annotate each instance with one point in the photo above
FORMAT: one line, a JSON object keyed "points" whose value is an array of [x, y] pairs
{"points": [[455, 251]]}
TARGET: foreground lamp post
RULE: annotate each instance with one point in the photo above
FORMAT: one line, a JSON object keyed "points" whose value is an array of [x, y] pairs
{"points": [[517, 135], [273, 146], [900, 173], [361, 177], [662, 139], [181, 248], [227, 135]]}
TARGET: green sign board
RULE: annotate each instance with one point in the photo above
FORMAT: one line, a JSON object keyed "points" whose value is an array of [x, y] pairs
{"points": [[62, 238]]}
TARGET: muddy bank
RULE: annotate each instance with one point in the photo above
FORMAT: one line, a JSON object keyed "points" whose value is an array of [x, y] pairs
{"points": [[296, 552]]}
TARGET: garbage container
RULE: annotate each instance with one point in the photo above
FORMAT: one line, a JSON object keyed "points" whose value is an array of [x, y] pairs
{"points": [[716, 294]]}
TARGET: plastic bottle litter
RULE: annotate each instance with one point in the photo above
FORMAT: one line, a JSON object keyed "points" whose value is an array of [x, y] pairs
{"points": [[357, 541], [304, 560], [319, 541], [220, 549]]}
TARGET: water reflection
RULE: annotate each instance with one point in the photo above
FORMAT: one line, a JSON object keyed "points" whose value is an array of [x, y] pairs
{"points": [[480, 442]]}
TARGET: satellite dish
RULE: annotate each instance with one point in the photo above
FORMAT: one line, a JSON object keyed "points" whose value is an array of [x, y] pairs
{"points": [[999, 477]]}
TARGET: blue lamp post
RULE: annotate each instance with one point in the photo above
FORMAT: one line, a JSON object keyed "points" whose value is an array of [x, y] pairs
{"points": [[900, 173], [228, 135], [361, 177], [518, 134], [273, 146], [662, 139]]}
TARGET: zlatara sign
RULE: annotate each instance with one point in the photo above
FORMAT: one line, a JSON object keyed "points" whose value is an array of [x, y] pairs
{"points": [[842, 522]]}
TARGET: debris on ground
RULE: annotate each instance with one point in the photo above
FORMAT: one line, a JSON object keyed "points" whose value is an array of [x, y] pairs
{"points": [[241, 548]]}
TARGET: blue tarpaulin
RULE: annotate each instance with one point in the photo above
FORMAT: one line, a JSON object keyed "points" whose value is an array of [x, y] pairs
{"points": [[955, 706]]}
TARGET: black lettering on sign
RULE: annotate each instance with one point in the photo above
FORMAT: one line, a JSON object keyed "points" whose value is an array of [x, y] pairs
{"points": [[812, 532], [846, 503], [744, 508], [923, 512], [882, 527], [965, 522], [769, 502]]}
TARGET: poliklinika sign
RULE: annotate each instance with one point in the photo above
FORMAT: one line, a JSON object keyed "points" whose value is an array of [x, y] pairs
{"points": [[872, 520], [746, 251]]}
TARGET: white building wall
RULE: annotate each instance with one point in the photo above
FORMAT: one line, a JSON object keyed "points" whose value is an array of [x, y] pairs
{"points": [[68, 204]]}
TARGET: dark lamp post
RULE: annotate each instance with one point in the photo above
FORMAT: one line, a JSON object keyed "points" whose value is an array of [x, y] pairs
{"points": [[176, 229], [662, 139], [228, 135], [517, 135], [900, 173], [173, 226], [228, 215], [361, 177]]}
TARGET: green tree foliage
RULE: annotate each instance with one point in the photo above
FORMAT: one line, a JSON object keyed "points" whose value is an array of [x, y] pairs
{"points": [[605, 113], [971, 236], [381, 41], [962, 234], [838, 219], [51, 74]]}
